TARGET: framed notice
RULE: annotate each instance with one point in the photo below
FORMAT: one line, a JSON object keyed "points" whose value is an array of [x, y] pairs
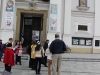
{"points": [[82, 41], [35, 35]]}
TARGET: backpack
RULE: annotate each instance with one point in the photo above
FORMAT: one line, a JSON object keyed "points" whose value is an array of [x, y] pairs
{"points": [[3, 47]]}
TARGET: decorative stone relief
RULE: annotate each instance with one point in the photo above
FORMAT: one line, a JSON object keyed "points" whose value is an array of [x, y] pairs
{"points": [[83, 5]]}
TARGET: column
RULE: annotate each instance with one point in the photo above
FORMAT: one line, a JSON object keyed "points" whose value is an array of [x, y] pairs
{"points": [[0, 13], [96, 27], [56, 13], [7, 20], [67, 23]]}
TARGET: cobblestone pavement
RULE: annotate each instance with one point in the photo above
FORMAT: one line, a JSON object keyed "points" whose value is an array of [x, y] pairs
{"points": [[68, 68]]}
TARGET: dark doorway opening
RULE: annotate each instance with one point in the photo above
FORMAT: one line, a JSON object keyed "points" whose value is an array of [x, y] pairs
{"points": [[30, 23]]}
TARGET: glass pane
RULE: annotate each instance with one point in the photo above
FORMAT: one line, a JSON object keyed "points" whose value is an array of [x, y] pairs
{"points": [[96, 42], [75, 42], [30, 23], [26, 20], [82, 27], [88, 42], [82, 41], [30, 20], [26, 23]]}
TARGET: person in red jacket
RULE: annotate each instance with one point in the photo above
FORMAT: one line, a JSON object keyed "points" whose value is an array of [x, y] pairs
{"points": [[8, 57]]}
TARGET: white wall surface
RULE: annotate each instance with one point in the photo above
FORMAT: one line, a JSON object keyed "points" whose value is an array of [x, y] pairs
{"points": [[90, 3], [82, 20], [60, 21], [97, 18]]}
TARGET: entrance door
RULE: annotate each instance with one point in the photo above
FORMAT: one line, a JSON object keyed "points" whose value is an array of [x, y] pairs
{"points": [[27, 31], [31, 28], [27, 35]]}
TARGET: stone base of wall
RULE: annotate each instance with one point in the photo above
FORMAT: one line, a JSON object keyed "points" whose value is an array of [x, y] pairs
{"points": [[82, 50]]}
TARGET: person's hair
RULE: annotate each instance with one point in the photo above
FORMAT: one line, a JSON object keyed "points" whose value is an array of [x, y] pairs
{"points": [[10, 39], [10, 2], [9, 45], [34, 42], [47, 40], [19, 42], [16, 42], [38, 47], [56, 35]]}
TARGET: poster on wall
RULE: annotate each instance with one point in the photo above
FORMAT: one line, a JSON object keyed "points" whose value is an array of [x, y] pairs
{"points": [[53, 17], [9, 13], [82, 42], [53, 9], [35, 34]]}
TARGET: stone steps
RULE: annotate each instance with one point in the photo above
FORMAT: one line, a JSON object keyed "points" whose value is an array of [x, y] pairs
{"points": [[26, 57]]}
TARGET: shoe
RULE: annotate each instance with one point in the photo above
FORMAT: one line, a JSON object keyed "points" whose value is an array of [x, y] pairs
{"points": [[36, 73], [39, 73]]}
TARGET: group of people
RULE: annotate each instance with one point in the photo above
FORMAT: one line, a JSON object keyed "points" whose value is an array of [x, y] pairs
{"points": [[49, 55], [9, 52]]}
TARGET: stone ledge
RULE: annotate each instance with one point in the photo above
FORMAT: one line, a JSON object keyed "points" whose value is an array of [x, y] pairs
{"points": [[82, 8], [83, 14]]}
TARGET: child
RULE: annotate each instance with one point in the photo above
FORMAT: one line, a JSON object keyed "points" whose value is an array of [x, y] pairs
{"points": [[19, 53], [8, 57]]}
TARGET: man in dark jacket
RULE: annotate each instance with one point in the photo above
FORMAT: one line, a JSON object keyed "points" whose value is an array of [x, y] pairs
{"points": [[57, 47]]}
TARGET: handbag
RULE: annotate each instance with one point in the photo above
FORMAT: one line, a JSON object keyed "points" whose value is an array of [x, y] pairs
{"points": [[47, 51], [6, 73], [20, 53], [42, 59]]}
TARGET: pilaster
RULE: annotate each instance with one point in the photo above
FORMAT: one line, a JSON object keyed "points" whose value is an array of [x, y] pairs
{"points": [[7, 20], [56, 19], [67, 23], [96, 27]]}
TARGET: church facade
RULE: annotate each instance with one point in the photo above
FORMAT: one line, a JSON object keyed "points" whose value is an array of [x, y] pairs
{"points": [[76, 21]]}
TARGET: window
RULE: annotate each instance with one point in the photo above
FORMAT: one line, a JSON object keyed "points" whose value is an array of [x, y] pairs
{"points": [[81, 41], [28, 21], [75, 41], [97, 42], [85, 28], [82, 27]]}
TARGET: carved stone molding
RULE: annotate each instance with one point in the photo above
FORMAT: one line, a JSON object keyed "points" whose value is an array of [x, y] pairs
{"points": [[83, 14], [82, 8]]}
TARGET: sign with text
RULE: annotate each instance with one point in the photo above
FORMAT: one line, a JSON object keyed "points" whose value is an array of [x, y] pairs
{"points": [[53, 17], [9, 13]]}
